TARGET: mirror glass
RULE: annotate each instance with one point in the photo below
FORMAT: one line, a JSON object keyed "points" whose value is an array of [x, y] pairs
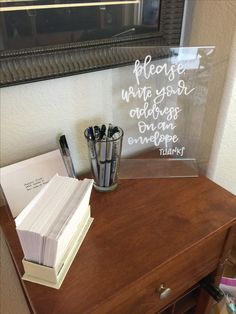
{"points": [[45, 39], [36, 23]]}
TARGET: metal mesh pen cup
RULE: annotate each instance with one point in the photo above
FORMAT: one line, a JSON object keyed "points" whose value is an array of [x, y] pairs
{"points": [[104, 152]]}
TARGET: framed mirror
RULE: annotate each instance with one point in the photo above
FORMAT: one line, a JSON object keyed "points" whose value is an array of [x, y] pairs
{"points": [[43, 39]]}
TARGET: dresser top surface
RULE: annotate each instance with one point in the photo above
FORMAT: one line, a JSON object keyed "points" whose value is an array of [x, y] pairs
{"points": [[136, 228]]}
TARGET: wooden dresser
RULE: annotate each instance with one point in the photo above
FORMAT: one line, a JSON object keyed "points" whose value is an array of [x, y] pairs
{"points": [[150, 244]]}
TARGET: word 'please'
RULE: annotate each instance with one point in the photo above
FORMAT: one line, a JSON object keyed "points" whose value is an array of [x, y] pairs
{"points": [[147, 70]]}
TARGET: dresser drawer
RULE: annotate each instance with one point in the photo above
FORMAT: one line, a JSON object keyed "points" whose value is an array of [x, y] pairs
{"points": [[178, 274]]}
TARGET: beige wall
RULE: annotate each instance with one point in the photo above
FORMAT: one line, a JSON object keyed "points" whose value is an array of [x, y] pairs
{"points": [[213, 24], [222, 163], [32, 115]]}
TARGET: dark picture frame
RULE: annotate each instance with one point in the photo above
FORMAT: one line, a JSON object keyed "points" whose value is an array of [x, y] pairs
{"points": [[53, 61]]}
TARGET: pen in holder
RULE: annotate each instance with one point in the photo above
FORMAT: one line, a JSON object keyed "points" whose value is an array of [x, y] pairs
{"points": [[104, 145]]}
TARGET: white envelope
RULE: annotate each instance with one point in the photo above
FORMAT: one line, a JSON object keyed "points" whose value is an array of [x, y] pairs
{"points": [[23, 180]]}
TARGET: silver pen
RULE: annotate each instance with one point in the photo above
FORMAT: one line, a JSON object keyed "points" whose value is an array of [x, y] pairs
{"points": [[65, 152]]}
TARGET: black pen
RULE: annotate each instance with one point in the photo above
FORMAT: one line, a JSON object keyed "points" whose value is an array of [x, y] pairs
{"points": [[90, 134], [115, 130], [102, 162], [116, 150], [108, 155], [92, 152], [97, 132], [65, 152], [103, 131], [110, 130]]}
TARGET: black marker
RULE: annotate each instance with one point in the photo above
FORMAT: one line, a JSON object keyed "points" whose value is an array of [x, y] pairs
{"points": [[92, 152], [103, 131], [97, 132]]}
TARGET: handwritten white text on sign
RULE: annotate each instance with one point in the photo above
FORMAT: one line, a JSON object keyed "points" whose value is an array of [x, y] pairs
{"points": [[153, 107]]}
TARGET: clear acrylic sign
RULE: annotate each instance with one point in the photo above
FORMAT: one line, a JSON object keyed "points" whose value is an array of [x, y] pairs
{"points": [[160, 102]]}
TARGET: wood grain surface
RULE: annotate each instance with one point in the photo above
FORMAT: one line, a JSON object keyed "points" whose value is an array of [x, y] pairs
{"points": [[146, 232]]}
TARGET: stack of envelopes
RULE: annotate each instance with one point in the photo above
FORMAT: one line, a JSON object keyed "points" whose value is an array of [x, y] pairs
{"points": [[47, 225]]}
